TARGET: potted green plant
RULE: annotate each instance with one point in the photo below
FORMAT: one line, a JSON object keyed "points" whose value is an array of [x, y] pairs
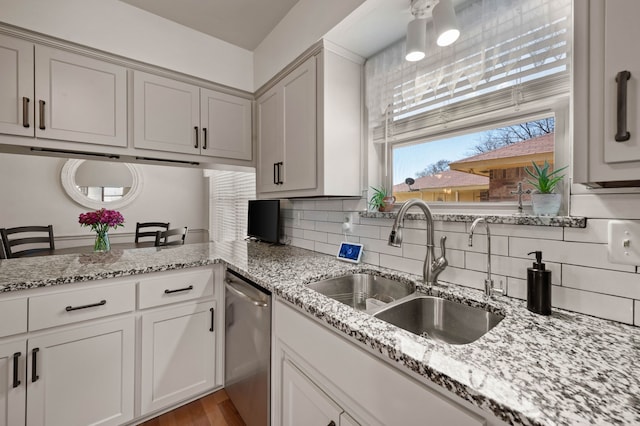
{"points": [[381, 200], [544, 200]]}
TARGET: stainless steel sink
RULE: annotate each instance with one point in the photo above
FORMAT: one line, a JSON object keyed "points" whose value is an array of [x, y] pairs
{"points": [[440, 319], [365, 292]]}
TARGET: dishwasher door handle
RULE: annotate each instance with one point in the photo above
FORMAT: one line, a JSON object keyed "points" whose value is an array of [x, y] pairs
{"points": [[233, 289]]}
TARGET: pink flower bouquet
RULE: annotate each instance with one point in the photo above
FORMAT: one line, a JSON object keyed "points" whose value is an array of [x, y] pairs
{"points": [[100, 221]]}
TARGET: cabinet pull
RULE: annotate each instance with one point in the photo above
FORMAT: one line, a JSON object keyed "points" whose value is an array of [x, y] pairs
{"points": [[34, 365], [167, 291], [280, 165], [622, 134], [92, 305], [204, 138], [275, 167], [196, 128], [212, 319], [25, 112], [16, 382], [332, 423], [42, 126]]}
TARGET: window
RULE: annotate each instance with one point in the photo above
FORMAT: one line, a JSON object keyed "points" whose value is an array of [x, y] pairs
{"points": [[510, 67], [484, 166], [229, 195]]}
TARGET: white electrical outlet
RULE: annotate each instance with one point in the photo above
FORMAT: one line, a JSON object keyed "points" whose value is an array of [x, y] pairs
{"points": [[624, 242]]}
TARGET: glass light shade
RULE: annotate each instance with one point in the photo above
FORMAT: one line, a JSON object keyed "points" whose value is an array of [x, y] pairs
{"points": [[416, 39], [445, 23]]}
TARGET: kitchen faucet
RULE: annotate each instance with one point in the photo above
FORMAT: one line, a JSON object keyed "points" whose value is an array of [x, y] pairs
{"points": [[432, 266], [489, 290]]}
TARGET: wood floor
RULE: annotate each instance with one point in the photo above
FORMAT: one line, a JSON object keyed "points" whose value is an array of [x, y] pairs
{"points": [[215, 409]]}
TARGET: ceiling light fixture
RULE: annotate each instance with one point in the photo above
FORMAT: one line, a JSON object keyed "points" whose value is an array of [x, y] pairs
{"points": [[445, 23], [416, 39]]}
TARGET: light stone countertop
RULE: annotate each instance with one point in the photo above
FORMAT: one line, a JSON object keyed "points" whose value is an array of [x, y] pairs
{"points": [[564, 369]]}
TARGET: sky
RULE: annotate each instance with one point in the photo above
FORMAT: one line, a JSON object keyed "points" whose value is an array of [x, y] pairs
{"points": [[409, 160]]}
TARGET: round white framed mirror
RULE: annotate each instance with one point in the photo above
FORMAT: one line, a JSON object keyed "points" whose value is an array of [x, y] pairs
{"points": [[101, 184]]}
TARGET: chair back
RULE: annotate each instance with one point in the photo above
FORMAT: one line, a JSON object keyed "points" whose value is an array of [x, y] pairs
{"points": [[151, 233], [33, 239], [171, 237]]}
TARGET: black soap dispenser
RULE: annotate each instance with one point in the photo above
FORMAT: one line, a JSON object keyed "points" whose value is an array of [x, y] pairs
{"points": [[538, 287]]}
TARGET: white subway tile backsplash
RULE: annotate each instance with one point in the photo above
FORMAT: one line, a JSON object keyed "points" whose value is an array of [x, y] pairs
{"points": [[600, 305], [398, 263], [596, 232], [380, 246], [302, 243], [366, 231], [584, 281], [586, 254], [315, 236], [509, 266], [335, 228], [517, 288], [625, 284]]}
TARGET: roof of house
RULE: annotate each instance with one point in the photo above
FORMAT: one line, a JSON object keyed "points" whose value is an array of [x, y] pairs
{"points": [[515, 155], [446, 179]]}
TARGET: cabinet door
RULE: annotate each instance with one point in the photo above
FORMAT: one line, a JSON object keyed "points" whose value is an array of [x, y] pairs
{"points": [[270, 145], [166, 114], [80, 99], [178, 354], [621, 33], [82, 376], [12, 382], [299, 128], [226, 125], [16, 87], [304, 403]]}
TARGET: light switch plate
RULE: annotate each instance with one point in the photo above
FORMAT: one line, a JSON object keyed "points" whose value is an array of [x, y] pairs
{"points": [[624, 242]]}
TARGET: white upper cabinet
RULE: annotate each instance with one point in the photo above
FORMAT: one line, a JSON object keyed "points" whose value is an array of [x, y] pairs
{"points": [[606, 92], [226, 125], [166, 114], [174, 116], [16, 87], [79, 98], [309, 129]]}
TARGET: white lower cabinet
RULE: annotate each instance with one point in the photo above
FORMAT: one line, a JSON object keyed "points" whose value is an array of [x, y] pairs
{"points": [[304, 403], [12, 382], [320, 377], [178, 354], [82, 375]]}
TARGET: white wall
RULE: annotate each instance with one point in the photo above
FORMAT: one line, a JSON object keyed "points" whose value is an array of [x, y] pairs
{"points": [[32, 194], [307, 22], [122, 29]]}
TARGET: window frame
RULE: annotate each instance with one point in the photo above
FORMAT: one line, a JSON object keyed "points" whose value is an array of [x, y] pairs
{"points": [[558, 106]]}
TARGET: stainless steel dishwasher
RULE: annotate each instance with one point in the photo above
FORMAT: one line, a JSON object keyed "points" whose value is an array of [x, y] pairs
{"points": [[248, 348]]}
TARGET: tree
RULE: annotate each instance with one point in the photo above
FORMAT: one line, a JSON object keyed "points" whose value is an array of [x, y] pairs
{"points": [[435, 168], [498, 138]]}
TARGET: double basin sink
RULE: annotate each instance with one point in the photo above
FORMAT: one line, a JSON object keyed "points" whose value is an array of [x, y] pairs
{"points": [[398, 303]]}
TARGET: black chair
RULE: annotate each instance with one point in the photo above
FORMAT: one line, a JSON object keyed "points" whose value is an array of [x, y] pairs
{"points": [[149, 234], [26, 236], [171, 237]]}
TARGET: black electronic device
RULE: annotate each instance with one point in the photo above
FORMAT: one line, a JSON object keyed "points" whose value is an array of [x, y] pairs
{"points": [[263, 222]]}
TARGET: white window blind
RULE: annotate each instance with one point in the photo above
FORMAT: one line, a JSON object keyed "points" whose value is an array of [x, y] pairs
{"points": [[510, 52], [230, 192]]}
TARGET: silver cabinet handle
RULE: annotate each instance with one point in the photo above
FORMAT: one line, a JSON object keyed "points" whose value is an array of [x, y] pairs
{"points": [[622, 134], [42, 126], [258, 303], [25, 112]]}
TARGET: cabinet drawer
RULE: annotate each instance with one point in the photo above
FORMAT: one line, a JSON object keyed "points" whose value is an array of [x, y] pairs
{"points": [[175, 287], [80, 305], [13, 317]]}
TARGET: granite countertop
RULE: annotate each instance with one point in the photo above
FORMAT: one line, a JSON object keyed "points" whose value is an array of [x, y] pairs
{"points": [[563, 369]]}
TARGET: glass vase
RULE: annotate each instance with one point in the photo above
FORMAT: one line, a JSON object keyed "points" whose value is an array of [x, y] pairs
{"points": [[102, 243]]}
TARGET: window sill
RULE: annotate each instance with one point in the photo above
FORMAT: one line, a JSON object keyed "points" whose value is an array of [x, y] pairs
{"points": [[507, 219]]}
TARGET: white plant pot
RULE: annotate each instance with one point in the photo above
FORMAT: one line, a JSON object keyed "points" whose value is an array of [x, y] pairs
{"points": [[546, 204]]}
